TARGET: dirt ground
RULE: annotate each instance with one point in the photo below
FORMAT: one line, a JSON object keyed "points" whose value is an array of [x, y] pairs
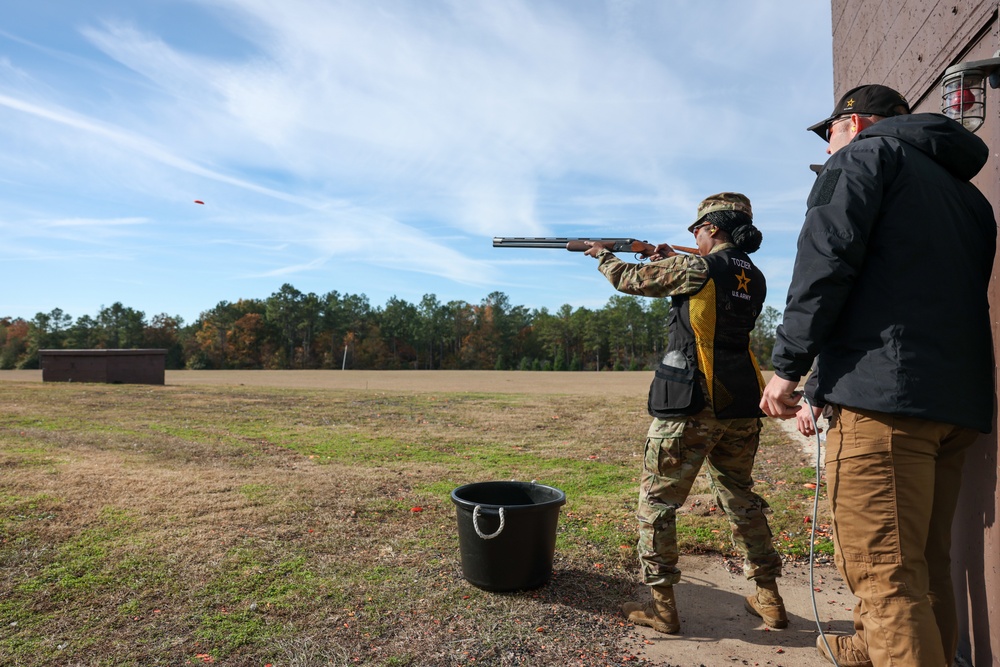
{"points": [[716, 630], [514, 382], [619, 383]]}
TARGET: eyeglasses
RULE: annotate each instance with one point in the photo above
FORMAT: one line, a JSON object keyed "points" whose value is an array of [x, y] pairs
{"points": [[697, 227], [829, 126]]}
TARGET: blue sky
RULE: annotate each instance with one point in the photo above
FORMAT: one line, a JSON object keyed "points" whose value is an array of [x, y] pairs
{"points": [[377, 147]]}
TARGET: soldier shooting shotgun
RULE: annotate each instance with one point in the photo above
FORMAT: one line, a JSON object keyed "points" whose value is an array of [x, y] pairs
{"points": [[640, 248], [704, 396]]}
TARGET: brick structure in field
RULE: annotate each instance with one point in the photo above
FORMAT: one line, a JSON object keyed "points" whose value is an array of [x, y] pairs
{"points": [[107, 366]]}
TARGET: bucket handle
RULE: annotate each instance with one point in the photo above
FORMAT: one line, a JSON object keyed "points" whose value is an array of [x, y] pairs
{"points": [[475, 524]]}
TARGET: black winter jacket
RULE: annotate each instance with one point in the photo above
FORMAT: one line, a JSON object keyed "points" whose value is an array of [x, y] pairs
{"points": [[890, 281]]}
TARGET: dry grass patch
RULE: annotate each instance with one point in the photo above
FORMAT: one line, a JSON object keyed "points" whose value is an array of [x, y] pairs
{"points": [[246, 526]]}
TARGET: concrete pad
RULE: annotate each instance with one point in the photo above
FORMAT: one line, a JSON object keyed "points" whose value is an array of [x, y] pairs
{"points": [[716, 630]]}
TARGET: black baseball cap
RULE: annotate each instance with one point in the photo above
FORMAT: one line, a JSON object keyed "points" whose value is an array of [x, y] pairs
{"points": [[870, 99]]}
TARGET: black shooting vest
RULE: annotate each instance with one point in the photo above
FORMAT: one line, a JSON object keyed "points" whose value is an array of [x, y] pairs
{"points": [[710, 339]]}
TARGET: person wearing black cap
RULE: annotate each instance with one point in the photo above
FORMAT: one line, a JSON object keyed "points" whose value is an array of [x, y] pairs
{"points": [[704, 403], [900, 332]]}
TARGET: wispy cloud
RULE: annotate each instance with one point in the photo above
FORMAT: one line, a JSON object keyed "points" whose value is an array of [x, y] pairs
{"points": [[376, 147], [142, 146], [480, 104], [94, 223]]}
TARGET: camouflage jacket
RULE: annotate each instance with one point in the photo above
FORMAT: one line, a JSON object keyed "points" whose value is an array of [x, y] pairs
{"points": [[673, 276]]}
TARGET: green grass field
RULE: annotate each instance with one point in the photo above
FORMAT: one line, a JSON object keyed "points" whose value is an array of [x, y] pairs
{"points": [[291, 526]]}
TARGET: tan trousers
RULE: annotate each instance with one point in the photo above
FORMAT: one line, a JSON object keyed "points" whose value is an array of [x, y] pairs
{"points": [[893, 485]]}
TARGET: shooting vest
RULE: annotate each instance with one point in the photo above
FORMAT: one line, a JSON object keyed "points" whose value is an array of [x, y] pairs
{"points": [[709, 344]]}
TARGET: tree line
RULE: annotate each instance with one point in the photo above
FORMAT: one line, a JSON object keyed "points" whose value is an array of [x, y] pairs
{"points": [[295, 330]]}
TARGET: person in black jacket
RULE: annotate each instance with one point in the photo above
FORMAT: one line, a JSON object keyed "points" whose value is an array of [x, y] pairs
{"points": [[900, 332]]}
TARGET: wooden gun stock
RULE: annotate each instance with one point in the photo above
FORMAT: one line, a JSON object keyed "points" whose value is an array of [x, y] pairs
{"points": [[625, 245]]}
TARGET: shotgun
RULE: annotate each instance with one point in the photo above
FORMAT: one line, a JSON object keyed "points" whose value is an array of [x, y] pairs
{"points": [[642, 248]]}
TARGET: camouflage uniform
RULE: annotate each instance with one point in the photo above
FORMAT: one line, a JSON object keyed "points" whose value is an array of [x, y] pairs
{"points": [[674, 451], [676, 447]]}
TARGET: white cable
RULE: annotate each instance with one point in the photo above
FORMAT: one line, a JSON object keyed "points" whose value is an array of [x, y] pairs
{"points": [[812, 531]]}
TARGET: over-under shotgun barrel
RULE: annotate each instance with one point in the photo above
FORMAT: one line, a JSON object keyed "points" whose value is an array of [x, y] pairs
{"points": [[580, 244]]}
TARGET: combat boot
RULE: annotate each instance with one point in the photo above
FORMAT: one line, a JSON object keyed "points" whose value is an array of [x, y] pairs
{"points": [[767, 604], [660, 613], [844, 651]]}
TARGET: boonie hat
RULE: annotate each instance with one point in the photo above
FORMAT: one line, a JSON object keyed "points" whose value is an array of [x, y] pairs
{"points": [[870, 99], [724, 201]]}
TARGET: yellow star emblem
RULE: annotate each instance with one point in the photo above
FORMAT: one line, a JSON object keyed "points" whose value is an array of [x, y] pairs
{"points": [[744, 281], [850, 103]]}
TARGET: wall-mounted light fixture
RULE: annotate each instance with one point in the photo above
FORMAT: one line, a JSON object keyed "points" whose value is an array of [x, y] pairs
{"points": [[963, 90]]}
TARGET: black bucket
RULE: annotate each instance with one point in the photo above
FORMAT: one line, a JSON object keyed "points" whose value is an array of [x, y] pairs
{"points": [[507, 533]]}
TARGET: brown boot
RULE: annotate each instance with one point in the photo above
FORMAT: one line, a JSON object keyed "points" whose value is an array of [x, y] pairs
{"points": [[767, 604], [660, 613], [844, 651]]}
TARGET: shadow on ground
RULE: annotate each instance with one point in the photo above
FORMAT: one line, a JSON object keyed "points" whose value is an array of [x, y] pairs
{"points": [[717, 630], [715, 627]]}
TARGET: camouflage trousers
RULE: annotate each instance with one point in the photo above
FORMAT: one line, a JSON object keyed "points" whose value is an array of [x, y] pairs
{"points": [[674, 452]]}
